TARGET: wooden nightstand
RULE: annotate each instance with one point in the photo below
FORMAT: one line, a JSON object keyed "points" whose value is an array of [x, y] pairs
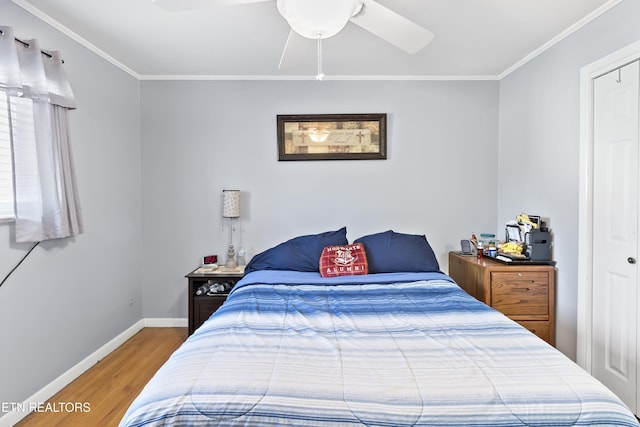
{"points": [[524, 293], [201, 307]]}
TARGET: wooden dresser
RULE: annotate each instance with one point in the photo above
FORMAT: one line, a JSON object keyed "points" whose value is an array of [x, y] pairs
{"points": [[524, 293]]}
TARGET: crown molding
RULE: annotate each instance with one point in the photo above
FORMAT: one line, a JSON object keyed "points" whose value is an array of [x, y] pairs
{"points": [[159, 77], [313, 77], [74, 36], [563, 35]]}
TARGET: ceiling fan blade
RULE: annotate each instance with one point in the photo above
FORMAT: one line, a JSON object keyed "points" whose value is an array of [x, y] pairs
{"points": [[392, 27], [294, 50], [178, 5]]}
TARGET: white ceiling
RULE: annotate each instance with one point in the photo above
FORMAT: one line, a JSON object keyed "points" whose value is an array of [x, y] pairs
{"points": [[473, 38]]}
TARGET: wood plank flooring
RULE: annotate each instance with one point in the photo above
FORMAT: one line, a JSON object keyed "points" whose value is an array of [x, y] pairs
{"points": [[108, 388]]}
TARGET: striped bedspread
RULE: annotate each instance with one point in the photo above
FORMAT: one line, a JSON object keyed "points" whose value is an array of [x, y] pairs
{"points": [[378, 350]]}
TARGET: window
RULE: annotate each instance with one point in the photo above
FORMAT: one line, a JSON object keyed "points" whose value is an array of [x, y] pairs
{"points": [[17, 125], [6, 164], [37, 181]]}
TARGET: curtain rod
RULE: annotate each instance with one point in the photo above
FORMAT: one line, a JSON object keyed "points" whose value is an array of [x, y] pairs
{"points": [[25, 44]]}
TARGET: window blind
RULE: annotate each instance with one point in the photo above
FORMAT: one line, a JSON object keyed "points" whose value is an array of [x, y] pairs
{"points": [[6, 164]]}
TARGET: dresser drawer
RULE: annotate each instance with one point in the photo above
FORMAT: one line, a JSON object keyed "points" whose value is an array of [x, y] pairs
{"points": [[539, 328], [517, 294]]}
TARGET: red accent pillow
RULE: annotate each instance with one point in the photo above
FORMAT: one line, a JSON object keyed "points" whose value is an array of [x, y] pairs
{"points": [[346, 260]]}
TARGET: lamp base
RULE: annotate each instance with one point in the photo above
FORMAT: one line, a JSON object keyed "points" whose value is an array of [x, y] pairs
{"points": [[231, 258]]}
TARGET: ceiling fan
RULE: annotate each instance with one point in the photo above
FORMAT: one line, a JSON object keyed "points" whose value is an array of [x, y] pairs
{"points": [[320, 19]]}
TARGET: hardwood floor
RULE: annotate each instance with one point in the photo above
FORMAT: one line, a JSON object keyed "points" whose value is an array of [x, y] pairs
{"points": [[100, 396]]}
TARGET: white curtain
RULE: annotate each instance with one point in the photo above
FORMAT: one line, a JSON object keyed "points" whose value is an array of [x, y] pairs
{"points": [[46, 197]]}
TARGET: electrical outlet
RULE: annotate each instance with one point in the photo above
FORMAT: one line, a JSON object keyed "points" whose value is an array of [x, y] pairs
{"points": [[131, 301]]}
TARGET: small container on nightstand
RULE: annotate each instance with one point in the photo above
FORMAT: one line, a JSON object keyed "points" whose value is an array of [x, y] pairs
{"points": [[207, 291]]}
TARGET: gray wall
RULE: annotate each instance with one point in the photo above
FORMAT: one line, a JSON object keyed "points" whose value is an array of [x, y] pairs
{"points": [[70, 297], [539, 145], [201, 137]]}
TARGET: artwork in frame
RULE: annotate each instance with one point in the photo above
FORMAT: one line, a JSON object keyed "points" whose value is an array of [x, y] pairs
{"points": [[332, 137]]}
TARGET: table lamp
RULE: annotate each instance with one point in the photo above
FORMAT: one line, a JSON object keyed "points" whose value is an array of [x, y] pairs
{"points": [[231, 210]]}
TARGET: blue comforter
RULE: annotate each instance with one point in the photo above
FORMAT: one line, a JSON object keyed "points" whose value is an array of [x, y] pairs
{"points": [[378, 350]]}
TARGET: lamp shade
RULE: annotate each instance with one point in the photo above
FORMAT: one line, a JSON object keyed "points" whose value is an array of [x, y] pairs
{"points": [[230, 203]]}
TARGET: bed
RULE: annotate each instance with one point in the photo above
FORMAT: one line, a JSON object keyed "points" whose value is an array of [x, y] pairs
{"points": [[366, 347]]}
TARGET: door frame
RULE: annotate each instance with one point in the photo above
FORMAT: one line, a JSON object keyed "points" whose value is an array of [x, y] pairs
{"points": [[588, 73]]}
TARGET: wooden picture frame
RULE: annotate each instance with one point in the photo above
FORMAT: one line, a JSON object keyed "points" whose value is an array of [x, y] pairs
{"points": [[332, 137]]}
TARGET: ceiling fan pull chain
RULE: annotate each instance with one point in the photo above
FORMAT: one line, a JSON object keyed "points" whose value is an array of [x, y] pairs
{"points": [[320, 75]]}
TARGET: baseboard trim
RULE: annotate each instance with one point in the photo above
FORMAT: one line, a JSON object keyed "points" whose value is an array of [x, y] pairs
{"points": [[48, 391], [165, 323]]}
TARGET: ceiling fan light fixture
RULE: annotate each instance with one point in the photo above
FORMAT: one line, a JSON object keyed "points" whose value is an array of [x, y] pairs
{"points": [[315, 19]]}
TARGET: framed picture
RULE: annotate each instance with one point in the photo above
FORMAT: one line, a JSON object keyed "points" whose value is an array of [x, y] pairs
{"points": [[332, 137]]}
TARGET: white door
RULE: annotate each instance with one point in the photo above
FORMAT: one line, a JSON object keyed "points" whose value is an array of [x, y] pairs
{"points": [[615, 232]]}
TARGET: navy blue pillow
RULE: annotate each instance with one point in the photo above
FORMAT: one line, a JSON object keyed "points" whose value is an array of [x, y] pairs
{"points": [[301, 253], [391, 252]]}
